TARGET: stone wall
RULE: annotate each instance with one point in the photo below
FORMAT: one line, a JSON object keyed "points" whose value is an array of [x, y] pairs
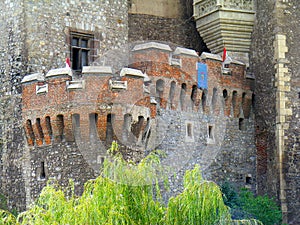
{"points": [[47, 36], [276, 69], [179, 29], [12, 65], [35, 38], [288, 23], [261, 59]]}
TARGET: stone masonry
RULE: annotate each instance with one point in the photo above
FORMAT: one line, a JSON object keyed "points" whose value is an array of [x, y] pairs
{"points": [[35, 37], [56, 122]]}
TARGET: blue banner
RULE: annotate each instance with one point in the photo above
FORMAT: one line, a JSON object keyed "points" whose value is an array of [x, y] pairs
{"points": [[202, 76]]}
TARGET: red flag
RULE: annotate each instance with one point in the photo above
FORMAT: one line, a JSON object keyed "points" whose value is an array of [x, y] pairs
{"points": [[68, 63], [224, 55]]}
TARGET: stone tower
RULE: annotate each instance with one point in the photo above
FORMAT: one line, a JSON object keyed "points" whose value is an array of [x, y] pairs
{"points": [[274, 56], [264, 34]]}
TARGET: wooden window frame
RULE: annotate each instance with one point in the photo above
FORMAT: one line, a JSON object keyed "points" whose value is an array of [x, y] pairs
{"points": [[77, 64]]}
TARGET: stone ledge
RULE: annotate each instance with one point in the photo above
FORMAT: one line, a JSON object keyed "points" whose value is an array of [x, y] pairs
{"points": [[206, 55], [132, 72], [59, 72], [152, 45], [96, 70], [32, 78], [185, 51]]}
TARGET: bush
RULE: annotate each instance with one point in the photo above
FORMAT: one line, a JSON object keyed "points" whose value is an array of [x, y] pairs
{"points": [[261, 207], [244, 205]]}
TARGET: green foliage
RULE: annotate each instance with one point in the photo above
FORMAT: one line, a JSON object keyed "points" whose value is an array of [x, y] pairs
{"points": [[7, 218], [244, 205], [3, 203], [261, 207], [126, 193], [200, 203]]}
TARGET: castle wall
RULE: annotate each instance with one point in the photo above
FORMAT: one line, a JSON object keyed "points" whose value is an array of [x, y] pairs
{"points": [[289, 27], [48, 35], [12, 65], [277, 92], [156, 104], [178, 28], [164, 8], [35, 38]]}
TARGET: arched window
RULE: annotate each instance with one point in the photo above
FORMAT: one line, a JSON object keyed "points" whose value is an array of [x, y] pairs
{"points": [[136, 129], [93, 121], [182, 95], [159, 90], [147, 129], [243, 98], [172, 93], [48, 126], [214, 98], [242, 125], [60, 127], [253, 101], [225, 94], [194, 95], [109, 128], [234, 99], [30, 131], [126, 126], [76, 125], [203, 99], [39, 128], [43, 171]]}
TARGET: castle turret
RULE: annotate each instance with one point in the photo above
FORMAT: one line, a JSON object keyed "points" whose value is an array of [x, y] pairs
{"points": [[226, 23]]}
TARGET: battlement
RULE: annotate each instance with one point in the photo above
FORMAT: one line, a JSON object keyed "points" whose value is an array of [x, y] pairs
{"points": [[58, 105]]}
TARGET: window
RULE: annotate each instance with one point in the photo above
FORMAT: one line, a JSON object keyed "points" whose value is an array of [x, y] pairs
{"points": [[39, 128], [60, 127], [182, 95], [242, 125], [43, 171], [234, 103], [225, 93], [159, 90], [214, 98], [109, 128], [203, 100], [172, 93], [76, 125], [93, 121], [81, 45], [194, 95], [30, 132], [189, 130], [126, 126], [48, 126], [210, 132]]}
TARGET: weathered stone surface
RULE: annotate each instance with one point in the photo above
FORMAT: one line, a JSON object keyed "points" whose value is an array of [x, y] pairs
{"points": [[274, 52]]}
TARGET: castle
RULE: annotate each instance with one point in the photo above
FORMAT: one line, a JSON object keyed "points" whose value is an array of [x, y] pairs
{"points": [[238, 119]]}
